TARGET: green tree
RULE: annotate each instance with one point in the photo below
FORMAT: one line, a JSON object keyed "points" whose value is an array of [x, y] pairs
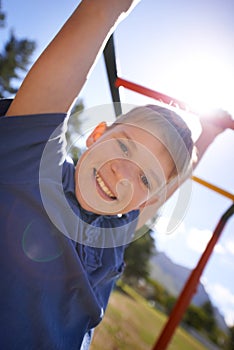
{"points": [[14, 60], [73, 131], [137, 257], [209, 322], [203, 319], [231, 339], [160, 293], [170, 303], [195, 317], [2, 16]]}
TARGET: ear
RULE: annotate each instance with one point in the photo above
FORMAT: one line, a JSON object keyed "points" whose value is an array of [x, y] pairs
{"points": [[96, 133]]}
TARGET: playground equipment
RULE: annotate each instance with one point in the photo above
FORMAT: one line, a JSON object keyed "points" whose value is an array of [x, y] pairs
{"points": [[191, 285]]}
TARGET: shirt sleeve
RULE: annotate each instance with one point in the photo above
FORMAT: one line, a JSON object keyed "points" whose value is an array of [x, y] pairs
{"points": [[23, 139]]}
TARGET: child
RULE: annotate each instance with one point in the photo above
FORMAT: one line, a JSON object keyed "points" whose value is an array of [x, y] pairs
{"points": [[64, 230]]}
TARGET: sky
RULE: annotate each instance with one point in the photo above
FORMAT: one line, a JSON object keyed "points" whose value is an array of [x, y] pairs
{"points": [[184, 49]]}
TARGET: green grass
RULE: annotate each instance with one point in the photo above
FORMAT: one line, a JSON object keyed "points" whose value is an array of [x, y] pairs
{"points": [[131, 324]]}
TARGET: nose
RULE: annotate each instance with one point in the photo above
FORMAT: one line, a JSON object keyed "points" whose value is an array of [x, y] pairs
{"points": [[124, 169]]}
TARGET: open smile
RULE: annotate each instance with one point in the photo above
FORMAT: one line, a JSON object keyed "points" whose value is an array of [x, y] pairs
{"points": [[101, 185]]}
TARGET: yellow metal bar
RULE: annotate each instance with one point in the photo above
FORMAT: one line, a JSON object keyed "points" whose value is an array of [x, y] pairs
{"points": [[214, 188]]}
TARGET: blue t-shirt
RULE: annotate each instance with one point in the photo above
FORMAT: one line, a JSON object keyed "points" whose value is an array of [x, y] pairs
{"points": [[58, 262]]}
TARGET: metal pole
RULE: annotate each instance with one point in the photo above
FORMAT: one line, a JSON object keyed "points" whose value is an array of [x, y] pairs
{"points": [[213, 187], [151, 93], [111, 68], [190, 286]]}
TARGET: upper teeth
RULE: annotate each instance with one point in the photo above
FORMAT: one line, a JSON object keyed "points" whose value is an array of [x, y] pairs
{"points": [[105, 189]]}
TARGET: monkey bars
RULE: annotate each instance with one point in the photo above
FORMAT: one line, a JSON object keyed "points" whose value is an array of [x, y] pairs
{"points": [[115, 82], [190, 287]]}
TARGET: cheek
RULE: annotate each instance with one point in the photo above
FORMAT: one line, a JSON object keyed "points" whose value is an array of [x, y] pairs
{"points": [[140, 195], [169, 169]]}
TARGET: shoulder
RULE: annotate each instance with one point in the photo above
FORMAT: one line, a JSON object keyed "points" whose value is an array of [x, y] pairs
{"points": [[4, 105], [24, 140], [29, 129]]}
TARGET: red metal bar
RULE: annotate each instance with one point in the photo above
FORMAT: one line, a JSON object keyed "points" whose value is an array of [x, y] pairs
{"points": [[151, 93], [190, 286]]}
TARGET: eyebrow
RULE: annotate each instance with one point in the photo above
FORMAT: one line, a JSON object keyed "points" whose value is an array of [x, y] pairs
{"points": [[128, 137]]}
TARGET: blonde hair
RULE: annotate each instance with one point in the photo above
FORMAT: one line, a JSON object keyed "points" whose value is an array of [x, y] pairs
{"points": [[170, 129]]}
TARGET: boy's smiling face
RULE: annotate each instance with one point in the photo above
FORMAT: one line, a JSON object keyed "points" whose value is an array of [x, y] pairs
{"points": [[123, 169]]}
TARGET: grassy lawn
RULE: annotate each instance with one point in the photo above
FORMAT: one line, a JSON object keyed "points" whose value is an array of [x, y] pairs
{"points": [[131, 324]]}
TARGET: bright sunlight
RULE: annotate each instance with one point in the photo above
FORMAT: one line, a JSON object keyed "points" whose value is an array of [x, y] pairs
{"points": [[203, 82]]}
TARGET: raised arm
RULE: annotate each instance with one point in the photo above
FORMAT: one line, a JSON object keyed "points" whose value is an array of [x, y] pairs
{"points": [[59, 74], [212, 125]]}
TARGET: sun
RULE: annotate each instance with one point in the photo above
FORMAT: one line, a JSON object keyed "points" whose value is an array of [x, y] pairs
{"points": [[204, 82]]}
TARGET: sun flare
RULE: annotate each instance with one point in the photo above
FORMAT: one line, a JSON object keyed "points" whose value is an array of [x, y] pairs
{"points": [[203, 82]]}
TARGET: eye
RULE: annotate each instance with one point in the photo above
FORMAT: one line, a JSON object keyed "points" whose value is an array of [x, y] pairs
{"points": [[123, 147], [145, 181]]}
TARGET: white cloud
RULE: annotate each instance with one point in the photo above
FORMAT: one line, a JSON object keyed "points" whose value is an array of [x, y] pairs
{"points": [[163, 222], [219, 249], [204, 280], [229, 318], [224, 299], [229, 245], [197, 239]]}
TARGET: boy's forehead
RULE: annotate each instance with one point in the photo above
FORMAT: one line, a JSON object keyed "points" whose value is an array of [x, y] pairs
{"points": [[138, 133], [134, 127]]}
